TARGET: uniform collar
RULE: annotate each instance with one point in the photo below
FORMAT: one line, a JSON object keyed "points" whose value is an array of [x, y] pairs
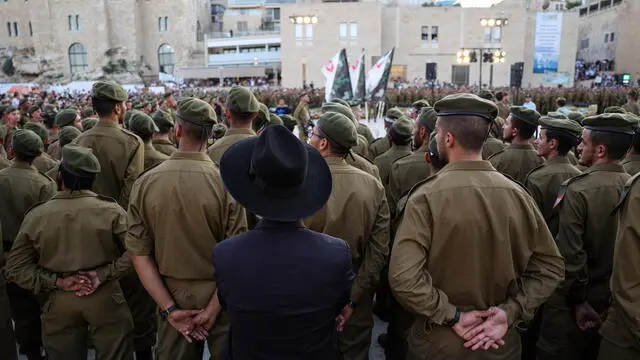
{"points": [[474, 165], [161, 141], [106, 124], [334, 160], [630, 158], [558, 160], [23, 165], [606, 167], [400, 148], [74, 194], [520, 146], [239, 131], [184, 155]]}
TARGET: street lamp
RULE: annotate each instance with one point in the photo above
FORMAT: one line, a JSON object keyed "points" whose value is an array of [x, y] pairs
{"points": [[303, 19], [481, 55], [494, 22]]}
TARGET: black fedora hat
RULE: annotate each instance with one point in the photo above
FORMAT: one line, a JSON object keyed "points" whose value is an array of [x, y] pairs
{"points": [[276, 176]]}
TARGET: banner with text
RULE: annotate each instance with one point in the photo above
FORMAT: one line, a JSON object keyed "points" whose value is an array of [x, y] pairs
{"points": [[547, 42]]}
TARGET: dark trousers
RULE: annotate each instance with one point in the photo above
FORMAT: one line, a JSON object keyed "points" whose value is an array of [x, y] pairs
{"points": [[25, 311]]}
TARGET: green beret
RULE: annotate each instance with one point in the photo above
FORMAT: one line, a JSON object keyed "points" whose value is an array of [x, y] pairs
{"points": [[615, 110], [394, 113], [108, 90], [140, 105], [262, 119], [403, 127], [27, 143], [65, 117], [427, 118], [486, 94], [9, 109], [197, 112], [565, 126], [339, 129], [79, 160], [33, 109], [339, 108], [127, 116], [341, 102], [576, 116], [241, 99], [37, 128], [420, 104], [525, 114], [163, 119], [557, 115], [466, 105], [142, 124], [613, 122], [49, 111], [3, 132], [288, 121], [88, 112], [67, 134], [218, 130], [275, 120], [264, 111], [88, 123]]}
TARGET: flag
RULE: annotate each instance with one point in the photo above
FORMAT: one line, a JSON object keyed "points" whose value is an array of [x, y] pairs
{"points": [[378, 76], [356, 70], [337, 80]]}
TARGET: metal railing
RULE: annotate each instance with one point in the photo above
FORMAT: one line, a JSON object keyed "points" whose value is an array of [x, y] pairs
{"points": [[235, 34]]}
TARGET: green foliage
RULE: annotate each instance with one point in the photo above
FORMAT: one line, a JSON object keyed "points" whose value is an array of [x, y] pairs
{"points": [[570, 4], [7, 66]]}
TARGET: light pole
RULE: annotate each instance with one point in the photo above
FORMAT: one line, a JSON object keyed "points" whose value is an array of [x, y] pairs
{"points": [[489, 55], [493, 37]]}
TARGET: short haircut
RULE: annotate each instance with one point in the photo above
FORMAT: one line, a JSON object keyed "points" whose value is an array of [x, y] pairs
{"points": [[26, 159], [525, 130], [499, 96], [617, 144], [196, 132], [164, 128], [633, 94], [561, 102], [565, 142], [334, 147], [102, 107], [242, 117], [399, 139], [470, 131], [74, 182]]}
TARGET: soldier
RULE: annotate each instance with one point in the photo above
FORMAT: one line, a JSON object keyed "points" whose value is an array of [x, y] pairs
{"points": [[262, 119], [217, 132], [417, 107], [571, 155], [142, 125], [561, 106], [631, 162], [161, 141], [63, 118], [66, 135], [3, 152], [288, 121], [303, 117], [586, 231], [632, 103], [362, 147], [400, 134], [22, 186], [381, 145], [55, 253], [357, 212], [242, 107], [519, 158], [362, 129], [35, 113], [7, 338], [503, 105], [11, 121], [44, 162], [620, 331], [409, 170], [442, 275], [494, 143], [186, 295], [121, 157], [88, 123]]}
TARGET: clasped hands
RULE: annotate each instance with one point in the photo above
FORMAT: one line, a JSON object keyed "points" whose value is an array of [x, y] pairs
{"points": [[482, 330], [84, 283], [193, 324]]}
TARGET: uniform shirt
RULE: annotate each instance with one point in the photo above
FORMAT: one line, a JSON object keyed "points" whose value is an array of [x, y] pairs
{"points": [[366, 132], [54, 150], [544, 183], [302, 116], [152, 157], [71, 232], [631, 164], [3, 152], [121, 156], [363, 164], [626, 260], [357, 212], [4, 163], [573, 159], [517, 160], [587, 231], [231, 137], [633, 108], [492, 146], [503, 110], [164, 146], [362, 148], [471, 239], [384, 161], [179, 211], [45, 163], [405, 174], [379, 147], [21, 187]]}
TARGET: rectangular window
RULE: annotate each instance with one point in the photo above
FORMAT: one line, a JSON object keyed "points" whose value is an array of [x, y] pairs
{"points": [[73, 22], [424, 33], [242, 26], [584, 44], [77, 22], [30, 29], [166, 23], [487, 35], [612, 37], [69, 18], [460, 74], [298, 30], [496, 34], [606, 38], [308, 32], [9, 29], [434, 35], [160, 24], [353, 31], [343, 31], [16, 31]]}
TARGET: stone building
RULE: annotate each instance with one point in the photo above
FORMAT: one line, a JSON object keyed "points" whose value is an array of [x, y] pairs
{"points": [[58, 40]]}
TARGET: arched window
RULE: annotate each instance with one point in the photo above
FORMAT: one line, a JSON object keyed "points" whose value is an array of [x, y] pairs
{"points": [[78, 58], [9, 28], [166, 58]]}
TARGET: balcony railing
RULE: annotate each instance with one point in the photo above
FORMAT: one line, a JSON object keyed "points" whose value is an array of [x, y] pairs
{"points": [[250, 58], [234, 34]]}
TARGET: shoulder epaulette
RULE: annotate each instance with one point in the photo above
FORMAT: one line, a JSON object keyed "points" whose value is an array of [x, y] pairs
{"points": [[375, 141], [563, 188], [532, 171], [149, 168], [400, 158], [402, 203], [625, 191], [517, 182], [496, 153]]}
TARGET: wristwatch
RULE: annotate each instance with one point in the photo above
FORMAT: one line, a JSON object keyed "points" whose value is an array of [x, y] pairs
{"points": [[165, 313], [453, 321]]}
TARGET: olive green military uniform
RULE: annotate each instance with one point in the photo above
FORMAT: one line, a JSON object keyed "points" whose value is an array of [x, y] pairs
{"points": [[88, 123], [633, 108], [379, 147], [405, 173], [362, 147], [491, 147], [142, 125], [573, 159], [356, 212], [515, 270], [366, 132], [232, 136], [363, 164], [21, 187], [621, 330], [402, 127], [631, 164], [43, 162], [54, 150], [4, 163], [53, 243], [302, 116], [7, 338], [503, 110], [164, 146], [516, 160], [585, 239]]}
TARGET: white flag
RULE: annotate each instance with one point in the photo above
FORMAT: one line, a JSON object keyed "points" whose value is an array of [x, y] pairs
{"points": [[356, 71], [378, 76], [329, 72]]}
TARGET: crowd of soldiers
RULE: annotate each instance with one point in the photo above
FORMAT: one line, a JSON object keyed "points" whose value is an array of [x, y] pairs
{"points": [[478, 230]]}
